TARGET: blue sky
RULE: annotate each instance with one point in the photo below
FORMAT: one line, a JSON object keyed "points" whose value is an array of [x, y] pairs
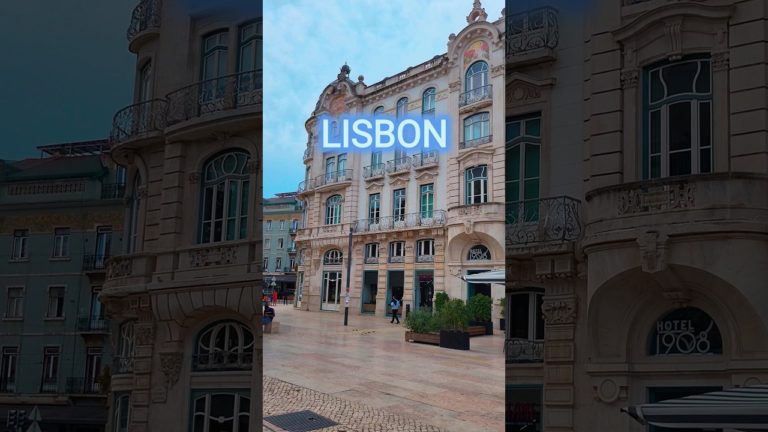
{"points": [[307, 41]]}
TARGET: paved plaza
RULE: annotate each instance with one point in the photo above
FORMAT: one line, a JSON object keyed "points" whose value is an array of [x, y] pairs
{"points": [[367, 378]]}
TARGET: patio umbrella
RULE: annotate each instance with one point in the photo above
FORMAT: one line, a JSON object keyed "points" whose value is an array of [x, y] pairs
{"points": [[743, 409], [494, 276]]}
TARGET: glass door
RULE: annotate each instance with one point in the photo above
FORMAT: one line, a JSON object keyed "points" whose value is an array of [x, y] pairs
{"points": [[331, 290]]}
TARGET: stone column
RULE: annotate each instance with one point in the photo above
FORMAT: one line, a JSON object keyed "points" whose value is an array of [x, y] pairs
{"points": [[144, 339]]}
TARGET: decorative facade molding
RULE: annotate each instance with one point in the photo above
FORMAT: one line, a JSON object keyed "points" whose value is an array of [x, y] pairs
{"points": [[656, 198], [672, 29], [653, 246], [608, 391], [721, 61], [220, 255], [144, 334], [170, 364], [455, 86], [559, 311], [629, 78], [119, 267], [194, 178]]}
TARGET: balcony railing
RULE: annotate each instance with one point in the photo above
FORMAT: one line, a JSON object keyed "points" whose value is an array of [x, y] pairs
{"points": [[332, 178], [543, 220], [222, 361], [376, 170], [371, 260], [8, 385], [49, 385], [425, 159], [530, 31], [308, 153], [83, 386], [519, 350], [138, 120], [95, 263], [293, 230], [399, 165], [410, 220], [397, 259], [145, 16], [92, 324], [476, 95], [214, 95], [425, 258], [304, 186], [122, 364], [112, 190], [291, 250], [333, 261], [475, 142]]}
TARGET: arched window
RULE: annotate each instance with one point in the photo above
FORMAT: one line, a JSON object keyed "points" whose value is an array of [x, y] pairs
{"points": [[333, 210], [125, 348], [225, 198], [378, 110], [133, 216], [476, 76], [476, 185], [333, 257], [220, 411], [402, 107], [225, 345], [477, 129], [478, 253], [428, 101]]}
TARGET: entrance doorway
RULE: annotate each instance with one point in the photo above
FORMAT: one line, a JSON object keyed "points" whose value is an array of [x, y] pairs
{"points": [[329, 299], [395, 287], [477, 288], [425, 289], [370, 287]]}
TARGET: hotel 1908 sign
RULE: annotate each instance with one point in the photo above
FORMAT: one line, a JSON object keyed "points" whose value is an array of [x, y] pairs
{"points": [[685, 331]]}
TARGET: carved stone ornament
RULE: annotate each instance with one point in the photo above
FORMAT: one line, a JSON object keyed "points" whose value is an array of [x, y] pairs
{"points": [[497, 70], [609, 391], [721, 61], [170, 364], [118, 267], [629, 78], [653, 246], [194, 178], [673, 31], [559, 312], [213, 256], [656, 198], [520, 92], [144, 334], [469, 226], [455, 86]]}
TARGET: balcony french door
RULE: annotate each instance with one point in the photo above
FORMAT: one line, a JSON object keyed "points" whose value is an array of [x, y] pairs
{"points": [[103, 242]]}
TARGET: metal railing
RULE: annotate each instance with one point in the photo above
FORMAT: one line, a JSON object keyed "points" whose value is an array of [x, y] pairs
{"points": [[145, 16], [332, 178], [222, 361], [83, 386], [95, 262], [376, 170], [543, 220], [304, 186], [397, 259], [371, 260], [531, 30], [308, 153], [476, 95], [410, 220], [112, 190], [425, 159], [138, 120], [49, 385], [425, 258], [518, 350], [92, 324], [122, 364], [475, 142], [214, 95], [399, 165]]}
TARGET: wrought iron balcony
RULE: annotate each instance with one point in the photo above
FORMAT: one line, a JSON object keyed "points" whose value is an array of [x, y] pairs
{"points": [[410, 220], [519, 350], [399, 165], [475, 142], [138, 120], [476, 95], [95, 263], [304, 186], [530, 31], [145, 16], [122, 364], [425, 159], [372, 171], [214, 95], [333, 177], [555, 219], [89, 324], [308, 153], [223, 361], [83, 386], [112, 191]]}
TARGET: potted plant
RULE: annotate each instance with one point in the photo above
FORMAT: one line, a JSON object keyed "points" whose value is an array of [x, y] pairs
{"points": [[453, 319], [421, 327], [479, 307], [441, 298]]}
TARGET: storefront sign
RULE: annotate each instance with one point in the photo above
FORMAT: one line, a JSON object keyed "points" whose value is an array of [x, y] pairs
{"points": [[686, 331]]}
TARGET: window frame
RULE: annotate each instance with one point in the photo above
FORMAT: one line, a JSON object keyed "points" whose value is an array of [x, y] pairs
{"points": [[374, 208], [428, 101], [469, 182], [396, 250], [333, 210], [60, 302], [399, 204], [20, 245], [535, 318], [401, 108], [425, 248], [333, 257], [61, 238], [471, 73], [480, 122], [278, 264], [427, 210], [220, 184], [18, 302]]}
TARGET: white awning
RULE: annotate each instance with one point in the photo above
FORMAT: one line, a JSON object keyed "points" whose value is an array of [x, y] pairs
{"points": [[494, 276], [743, 409]]}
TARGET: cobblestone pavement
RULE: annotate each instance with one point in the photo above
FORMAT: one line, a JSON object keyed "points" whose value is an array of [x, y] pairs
{"points": [[281, 397]]}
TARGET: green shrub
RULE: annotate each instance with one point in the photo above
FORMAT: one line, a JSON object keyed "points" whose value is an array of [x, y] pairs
{"points": [[480, 306], [453, 315], [441, 299], [420, 321]]}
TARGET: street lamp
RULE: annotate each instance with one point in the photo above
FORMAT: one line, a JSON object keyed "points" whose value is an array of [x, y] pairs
{"points": [[349, 270]]}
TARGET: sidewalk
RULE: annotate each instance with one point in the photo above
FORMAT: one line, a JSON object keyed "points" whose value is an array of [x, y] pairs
{"points": [[366, 377]]}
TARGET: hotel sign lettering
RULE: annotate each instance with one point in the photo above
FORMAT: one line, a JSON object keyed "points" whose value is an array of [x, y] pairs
{"points": [[686, 331]]}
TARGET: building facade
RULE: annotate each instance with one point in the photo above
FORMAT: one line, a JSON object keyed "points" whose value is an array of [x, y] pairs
{"points": [[282, 214], [418, 221], [636, 272], [60, 220], [184, 293]]}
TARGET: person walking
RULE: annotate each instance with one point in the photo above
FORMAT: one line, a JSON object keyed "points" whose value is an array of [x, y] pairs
{"points": [[395, 305], [274, 296], [266, 319]]}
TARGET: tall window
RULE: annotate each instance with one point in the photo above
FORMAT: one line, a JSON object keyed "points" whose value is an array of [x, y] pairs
{"points": [[282, 224], [103, 245], [335, 167], [333, 210], [333, 257], [378, 110], [125, 348], [278, 263], [225, 345], [15, 302], [402, 107], [265, 264], [371, 253], [20, 242], [523, 153], [376, 161], [133, 222], [477, 127], [267, 243], [120, 175], [428, 102], [268, 225], [678, 119], [8, 369], [55, 302], [397, 252], [122, 412], [398, 205], [214, 65], [476, 76], [221, 411], [374, 208], [427, 201], [61, 242], [249, 58], [476, 185], [93, 357], [225, 198], [425, 250], [526, 318], [280, 243], [50, 370]]}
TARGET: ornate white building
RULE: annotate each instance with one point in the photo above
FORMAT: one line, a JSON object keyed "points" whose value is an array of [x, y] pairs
{"points": [[419, 221], [184, 296]]}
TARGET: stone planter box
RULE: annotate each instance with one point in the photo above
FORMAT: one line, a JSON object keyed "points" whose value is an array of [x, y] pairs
{"points": [[427, 338], [454, 339], [487, 327]]}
